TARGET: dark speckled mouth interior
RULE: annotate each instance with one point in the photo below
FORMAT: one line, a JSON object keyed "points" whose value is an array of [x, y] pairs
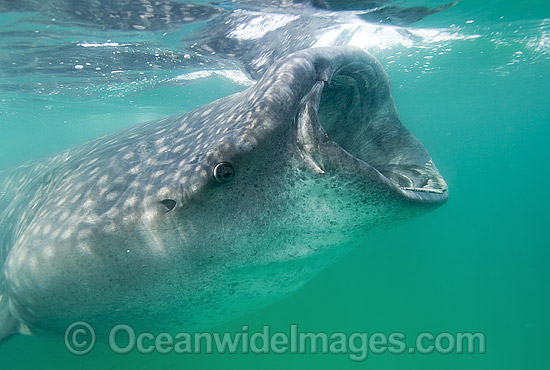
{"points": [[356, 112]]}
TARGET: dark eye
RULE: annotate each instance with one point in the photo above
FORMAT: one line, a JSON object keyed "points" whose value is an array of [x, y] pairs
{"points": [[224, 172], [169, 204]]}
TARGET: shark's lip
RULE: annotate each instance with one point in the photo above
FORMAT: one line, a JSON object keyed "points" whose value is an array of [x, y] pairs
{"points": [[340, 159], [407, 172]]}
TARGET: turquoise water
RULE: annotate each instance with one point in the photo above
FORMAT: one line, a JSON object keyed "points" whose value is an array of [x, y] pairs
{"points": [[477, 264]]}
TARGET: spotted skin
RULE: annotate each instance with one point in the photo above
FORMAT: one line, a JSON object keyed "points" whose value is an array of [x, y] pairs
{"points": [[134, 227]]}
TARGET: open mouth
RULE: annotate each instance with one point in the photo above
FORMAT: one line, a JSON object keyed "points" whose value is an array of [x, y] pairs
{"points": [[353, 116]]}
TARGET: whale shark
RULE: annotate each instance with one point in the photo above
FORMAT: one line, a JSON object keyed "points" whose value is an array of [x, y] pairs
{"points": [[192, 220]]}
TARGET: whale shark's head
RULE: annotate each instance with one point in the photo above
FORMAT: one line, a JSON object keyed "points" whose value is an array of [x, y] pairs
{"points": [[345, 123], [194, 219], [315, 156]]}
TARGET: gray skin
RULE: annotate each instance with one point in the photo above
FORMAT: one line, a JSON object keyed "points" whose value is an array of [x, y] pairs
{"points": [[134, 228]]}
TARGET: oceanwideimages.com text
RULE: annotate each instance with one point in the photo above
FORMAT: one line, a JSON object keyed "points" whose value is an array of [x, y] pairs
{"points": [[80, 339]]}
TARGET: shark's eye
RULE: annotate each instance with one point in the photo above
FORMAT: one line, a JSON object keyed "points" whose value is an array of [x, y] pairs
{"points": [[169, 204], [224, 172]]}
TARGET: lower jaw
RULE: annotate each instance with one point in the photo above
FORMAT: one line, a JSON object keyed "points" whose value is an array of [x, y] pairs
{"points": [[338, 162]]}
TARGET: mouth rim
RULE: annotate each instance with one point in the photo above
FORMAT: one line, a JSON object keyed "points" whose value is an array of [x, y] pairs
{"points": [[359, 167], [318, 149]]}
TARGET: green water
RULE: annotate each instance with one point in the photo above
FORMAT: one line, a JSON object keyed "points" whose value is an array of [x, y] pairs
{"points": [[477, 264]]}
